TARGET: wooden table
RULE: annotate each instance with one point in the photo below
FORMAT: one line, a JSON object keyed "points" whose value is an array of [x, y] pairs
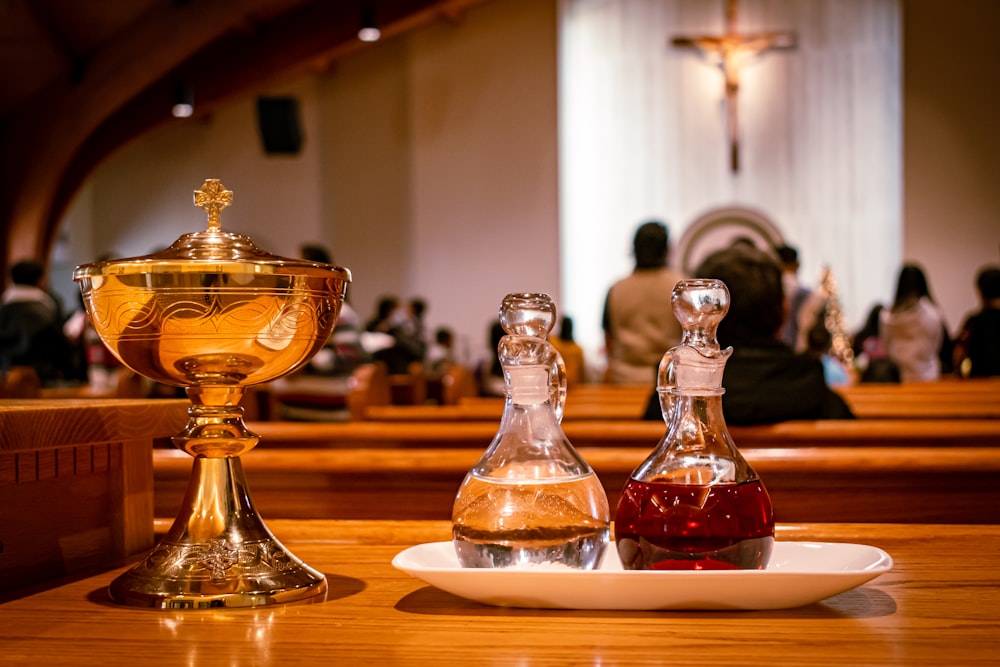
{"points": [[940, 605]]}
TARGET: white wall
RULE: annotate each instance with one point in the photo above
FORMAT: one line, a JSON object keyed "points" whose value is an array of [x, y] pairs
{"points": [[952, 143]]}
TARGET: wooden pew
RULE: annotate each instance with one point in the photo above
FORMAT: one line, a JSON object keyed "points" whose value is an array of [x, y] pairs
{"points": [[76, 483], [641, 434], [369, 395], [369, 387], [827, 484], [20, 382], [944, 399], [490, 409]]}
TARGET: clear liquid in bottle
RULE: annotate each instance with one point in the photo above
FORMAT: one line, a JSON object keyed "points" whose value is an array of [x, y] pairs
{"points": [[521, 523], [531, 500]]}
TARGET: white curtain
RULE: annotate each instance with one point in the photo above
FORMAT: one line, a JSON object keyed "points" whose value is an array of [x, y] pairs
{"points": [[643, 135]]}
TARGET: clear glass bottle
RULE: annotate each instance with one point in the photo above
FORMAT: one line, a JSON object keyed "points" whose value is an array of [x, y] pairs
{"points": [[694, 503], [531, 500]]}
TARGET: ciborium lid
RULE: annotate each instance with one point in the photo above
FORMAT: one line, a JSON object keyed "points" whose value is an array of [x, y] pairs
{"points": [[212, 250], [212, 309]]}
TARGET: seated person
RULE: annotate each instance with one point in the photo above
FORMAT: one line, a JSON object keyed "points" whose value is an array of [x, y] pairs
{"points": [[31, 327], [765, 381], [977, 350], [441, 353], [571, 352], [400, 347]]}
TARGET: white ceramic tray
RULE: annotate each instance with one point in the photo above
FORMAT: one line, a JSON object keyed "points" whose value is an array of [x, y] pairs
{"points": [[799, 573]]}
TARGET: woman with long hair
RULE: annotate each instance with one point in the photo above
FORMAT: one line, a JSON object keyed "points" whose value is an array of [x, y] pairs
{"points": [[913, 329]]}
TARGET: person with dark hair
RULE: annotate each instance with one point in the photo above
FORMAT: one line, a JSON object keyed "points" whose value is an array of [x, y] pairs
{"points": [[819, 343], [31, 327], [384, 318], [865, 341], [343, 351], [913, 329], [793, 333], [313, 252], [977, 349], [765, 381], [570, 351], [490, 371], [638, 321], [441, 353], [869, 351], [415, 328], [401, 348]]}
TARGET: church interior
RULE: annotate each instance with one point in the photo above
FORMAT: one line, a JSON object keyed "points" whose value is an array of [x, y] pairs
{"points": [[466, 155]]}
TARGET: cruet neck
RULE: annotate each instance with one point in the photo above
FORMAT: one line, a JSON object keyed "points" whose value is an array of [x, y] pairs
{"points": [[528, 385], [688, 370], [697, 364], [534, 371], [697, 447]]}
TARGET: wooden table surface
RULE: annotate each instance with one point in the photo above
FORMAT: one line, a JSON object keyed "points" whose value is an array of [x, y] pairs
{"points": [[939, 606]]}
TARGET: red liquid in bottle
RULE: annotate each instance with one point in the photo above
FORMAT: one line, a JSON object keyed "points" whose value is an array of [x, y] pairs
{"points": [[664, 526]]}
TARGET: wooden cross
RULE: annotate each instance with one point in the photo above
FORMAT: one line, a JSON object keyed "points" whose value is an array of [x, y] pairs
{"points": [[213, 197], [731, 51]]}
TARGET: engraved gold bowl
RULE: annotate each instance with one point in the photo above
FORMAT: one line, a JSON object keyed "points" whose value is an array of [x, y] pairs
{"points": [[214, 314]]}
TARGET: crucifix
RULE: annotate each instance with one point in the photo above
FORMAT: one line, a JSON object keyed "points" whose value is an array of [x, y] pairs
{"points": [[730, 51]]}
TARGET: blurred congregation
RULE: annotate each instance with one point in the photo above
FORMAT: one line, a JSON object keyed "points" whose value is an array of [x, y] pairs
{"points": [[793, 348], [444, 183]]}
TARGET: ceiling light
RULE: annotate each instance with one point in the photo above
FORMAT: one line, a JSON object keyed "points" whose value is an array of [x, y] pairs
{"points": [[369, 27], [183, 102]]}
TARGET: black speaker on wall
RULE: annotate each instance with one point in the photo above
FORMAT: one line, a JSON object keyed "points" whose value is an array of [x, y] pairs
{"points": [[278, 120]]}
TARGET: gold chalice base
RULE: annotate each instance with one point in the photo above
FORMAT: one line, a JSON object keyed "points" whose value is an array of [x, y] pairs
{"points": [[218, 553]]}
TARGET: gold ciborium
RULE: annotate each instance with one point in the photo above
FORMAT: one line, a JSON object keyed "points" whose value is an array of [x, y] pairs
{"points": [[214, 314]]}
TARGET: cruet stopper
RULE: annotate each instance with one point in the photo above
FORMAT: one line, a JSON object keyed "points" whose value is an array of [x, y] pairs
{"points": [[531, 500], [694, 503]]}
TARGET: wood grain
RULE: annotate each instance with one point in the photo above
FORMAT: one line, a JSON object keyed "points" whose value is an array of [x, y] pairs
{"points": [[939, 605], [76, 483], [32, 424]]}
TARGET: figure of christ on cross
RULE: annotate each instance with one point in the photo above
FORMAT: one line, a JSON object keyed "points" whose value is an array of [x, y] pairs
{"points": [[731, 51]]}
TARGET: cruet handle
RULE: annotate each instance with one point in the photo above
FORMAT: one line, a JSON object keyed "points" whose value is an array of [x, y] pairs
{"points": [[557, 382], [666, 379]]}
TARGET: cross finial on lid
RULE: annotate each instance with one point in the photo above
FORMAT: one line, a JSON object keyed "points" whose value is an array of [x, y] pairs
{"points": [[213, 197]]}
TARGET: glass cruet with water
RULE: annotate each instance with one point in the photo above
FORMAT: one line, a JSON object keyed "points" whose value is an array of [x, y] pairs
{"points": [[694, 503], [531, 499]]}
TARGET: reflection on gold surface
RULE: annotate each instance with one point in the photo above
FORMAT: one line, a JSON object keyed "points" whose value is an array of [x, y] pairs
{"points": [[214, 314], [240, 335]]}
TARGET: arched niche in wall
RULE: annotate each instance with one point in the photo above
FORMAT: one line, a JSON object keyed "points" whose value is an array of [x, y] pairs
{"points": [[718, 229]]}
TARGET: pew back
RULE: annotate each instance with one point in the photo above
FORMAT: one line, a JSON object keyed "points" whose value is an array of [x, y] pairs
{"points": [[944, 399], [640, 434], [828, 484]]}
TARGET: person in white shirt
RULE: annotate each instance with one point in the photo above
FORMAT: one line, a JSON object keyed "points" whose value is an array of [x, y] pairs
{"points": [[913, 330]]}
